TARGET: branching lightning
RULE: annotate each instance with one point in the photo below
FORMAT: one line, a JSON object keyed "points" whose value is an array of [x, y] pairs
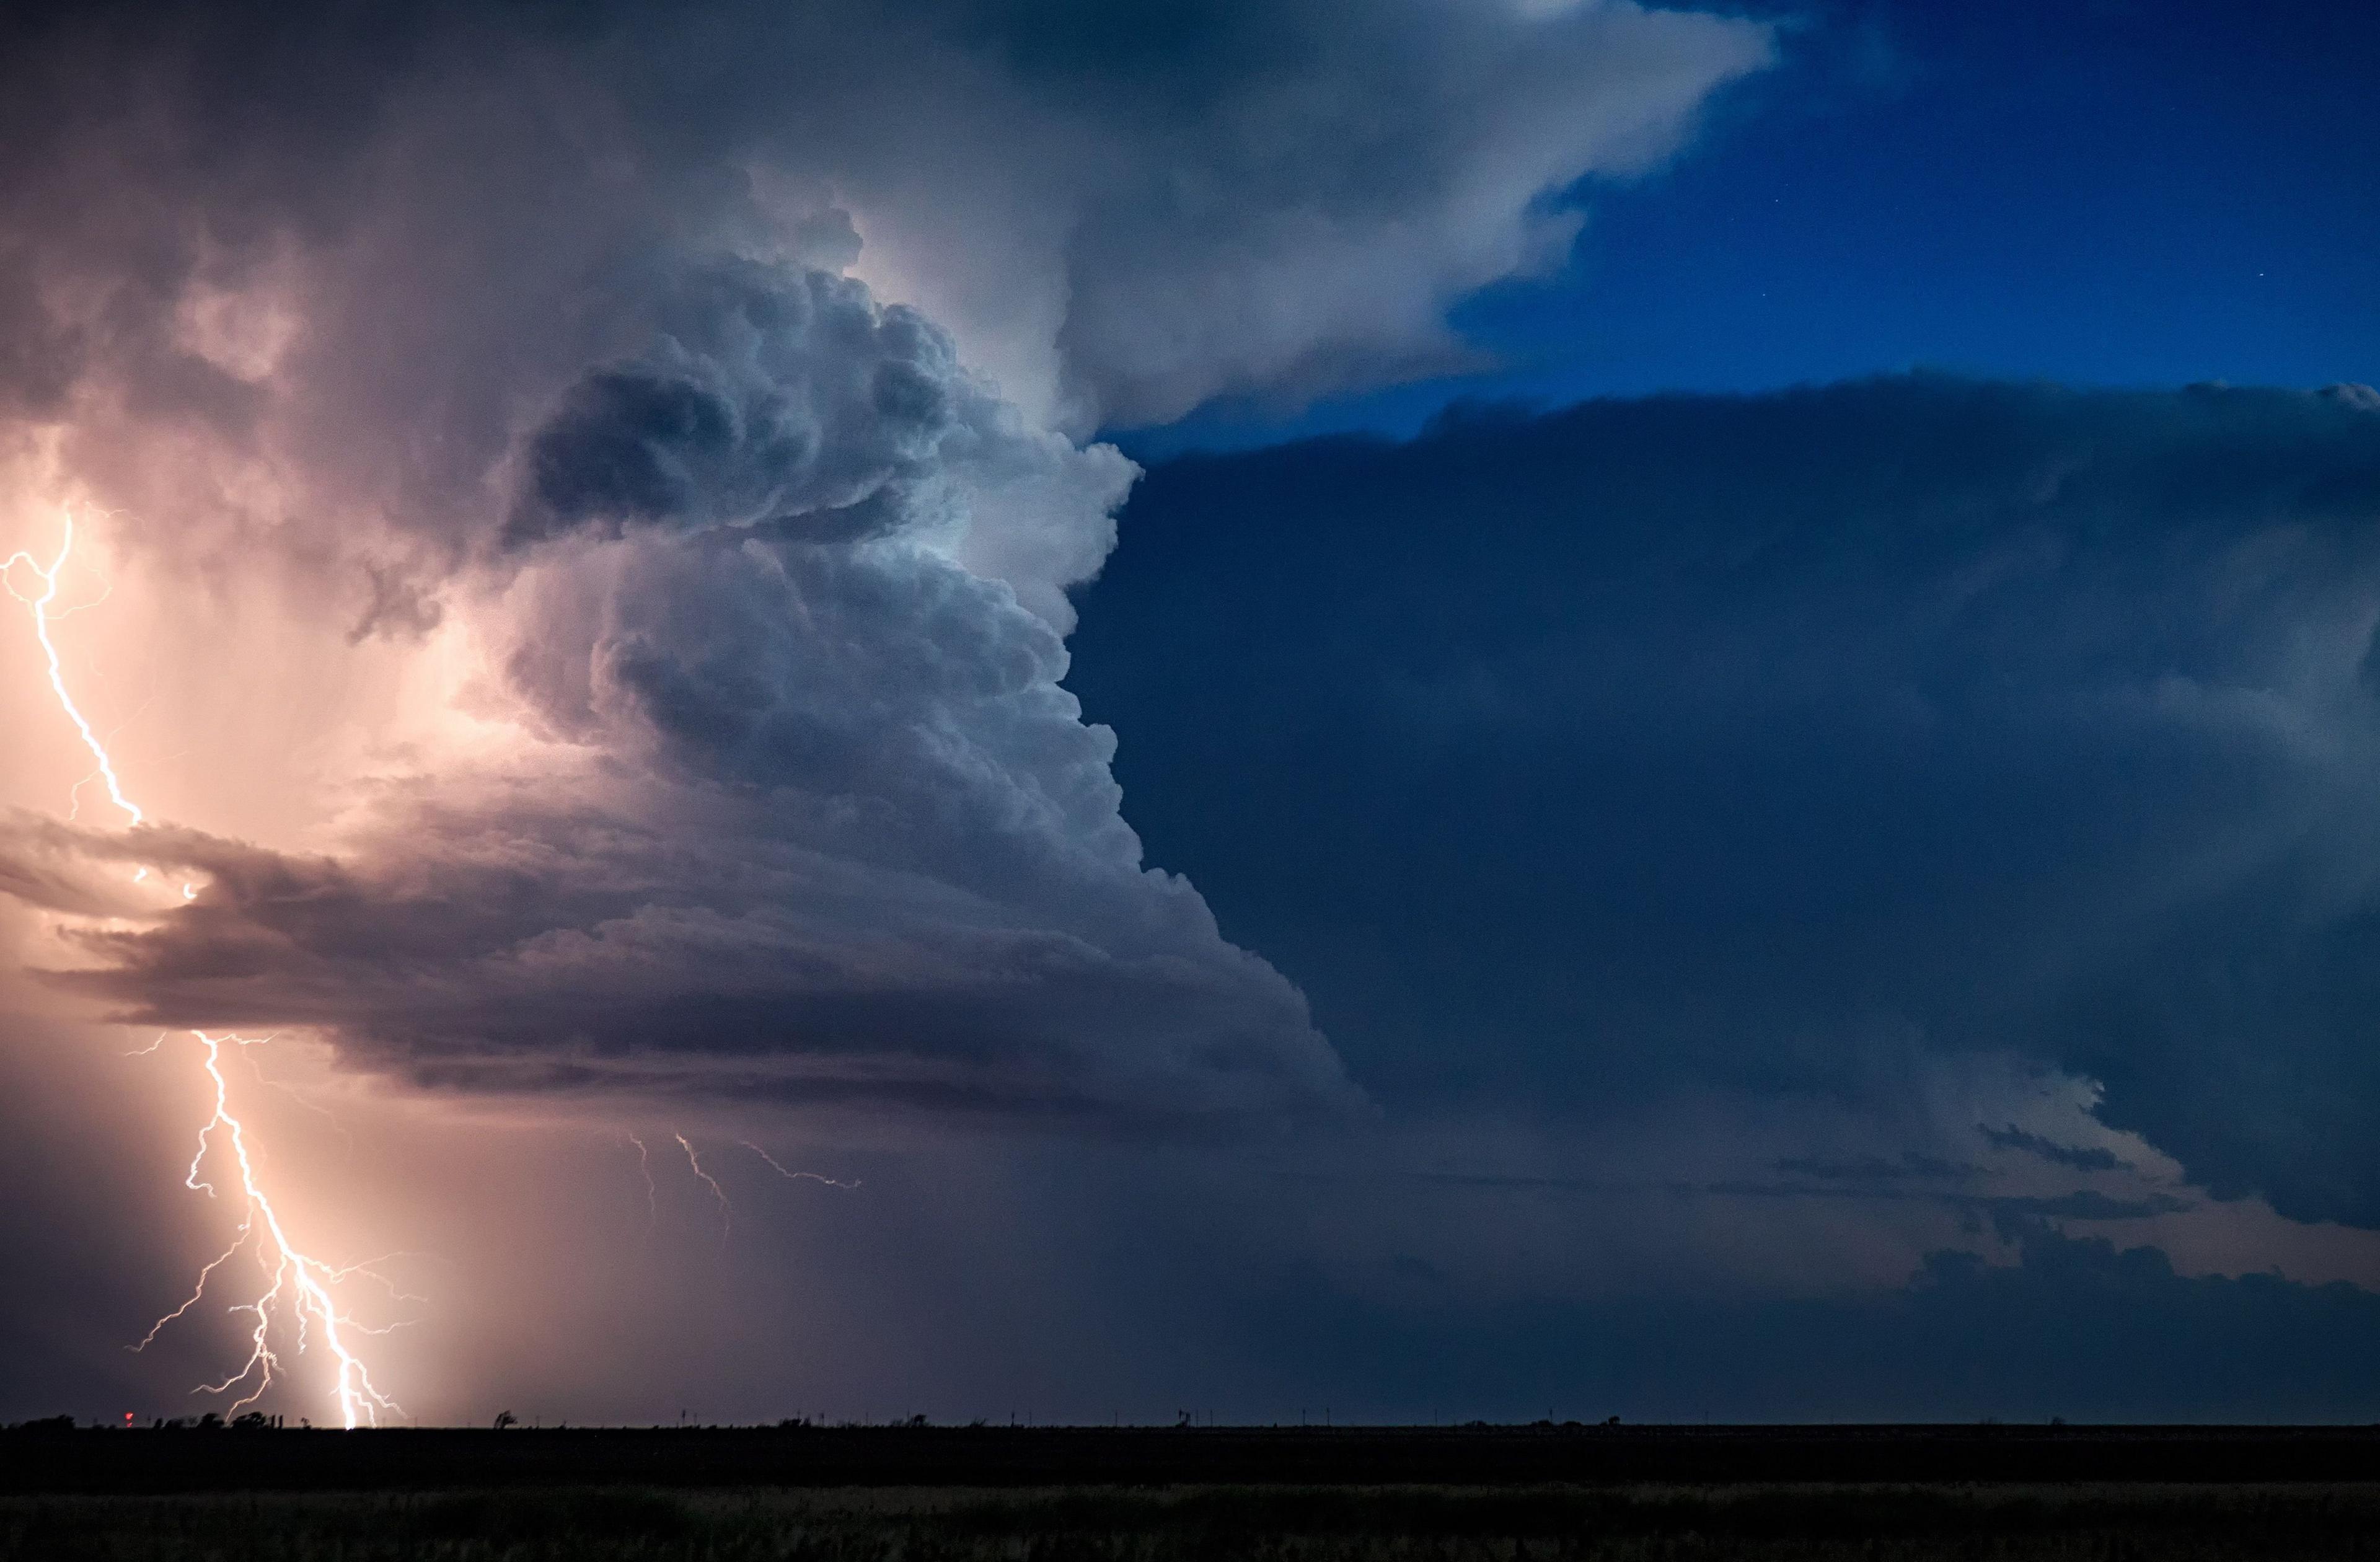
{"points": [[299, 1287], [702, 1173], [300, 1283]]}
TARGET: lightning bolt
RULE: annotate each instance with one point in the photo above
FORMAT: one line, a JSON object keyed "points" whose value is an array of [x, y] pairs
{"points": [[726, 1210], [300, 1283], [48, 574], [300, 1286], [652, 1195], [794, 1176]]}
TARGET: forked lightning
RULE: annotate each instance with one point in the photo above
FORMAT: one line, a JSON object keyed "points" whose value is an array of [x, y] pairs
{"points": [[300, 1288]]}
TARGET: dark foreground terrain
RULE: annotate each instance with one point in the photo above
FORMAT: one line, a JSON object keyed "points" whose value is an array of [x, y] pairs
{"points": [[923, 1494], [1808, 1523]]}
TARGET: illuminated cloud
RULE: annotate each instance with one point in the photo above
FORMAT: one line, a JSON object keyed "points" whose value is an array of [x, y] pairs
{"points": [[805, 817], [669, 420]]}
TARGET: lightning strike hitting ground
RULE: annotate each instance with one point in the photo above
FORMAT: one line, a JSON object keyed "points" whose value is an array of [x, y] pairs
{"points": [[300, 1286], [300, 1283]]}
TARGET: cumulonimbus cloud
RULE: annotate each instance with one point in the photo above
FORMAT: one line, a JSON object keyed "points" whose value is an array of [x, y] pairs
{"points": [[805, 817], [711, 385]]}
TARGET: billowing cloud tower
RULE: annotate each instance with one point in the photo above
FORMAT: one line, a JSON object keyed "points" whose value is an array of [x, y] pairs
{"points": [[641, 637]]}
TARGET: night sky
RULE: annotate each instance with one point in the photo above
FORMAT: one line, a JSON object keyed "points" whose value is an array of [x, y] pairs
{"points": [[1464, 708]]}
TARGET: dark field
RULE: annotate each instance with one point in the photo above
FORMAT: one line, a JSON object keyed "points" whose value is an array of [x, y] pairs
{"points": [[919, 1495], [1151, 1524]]}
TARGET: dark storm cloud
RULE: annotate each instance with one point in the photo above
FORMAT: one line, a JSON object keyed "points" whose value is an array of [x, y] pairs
{"points": [[1912, 1179], [1776, 744], [705, 956], [785, 397]]}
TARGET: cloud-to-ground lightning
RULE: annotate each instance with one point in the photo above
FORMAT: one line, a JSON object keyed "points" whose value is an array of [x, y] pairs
{"points": [[299, 1282], [300, 1286]]}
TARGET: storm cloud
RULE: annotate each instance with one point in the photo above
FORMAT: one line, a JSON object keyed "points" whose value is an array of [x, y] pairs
{"points": [[1120, 213], [700, 397], [808, 819], [1788, 746], [583, 519]]}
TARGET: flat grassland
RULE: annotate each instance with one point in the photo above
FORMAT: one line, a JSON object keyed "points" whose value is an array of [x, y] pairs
{"points": [[920, 1493], [1805, 1522]]}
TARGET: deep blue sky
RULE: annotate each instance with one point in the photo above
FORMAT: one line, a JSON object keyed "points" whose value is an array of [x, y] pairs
{"points": [[2110, 193]]}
